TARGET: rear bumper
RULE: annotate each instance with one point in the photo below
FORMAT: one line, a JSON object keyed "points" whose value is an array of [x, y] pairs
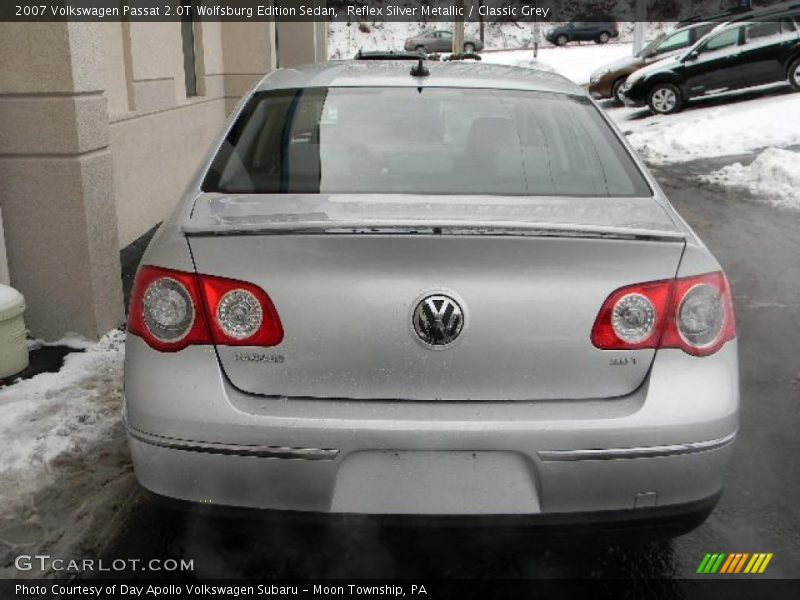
{"points": [[647, 522], [584, 490], [194, 437]]}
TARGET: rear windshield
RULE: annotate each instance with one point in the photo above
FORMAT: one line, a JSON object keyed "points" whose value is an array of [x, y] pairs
{"points": [[423, 141]]}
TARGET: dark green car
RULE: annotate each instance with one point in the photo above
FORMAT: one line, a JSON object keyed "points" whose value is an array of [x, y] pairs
{"points": [[734, 56]]}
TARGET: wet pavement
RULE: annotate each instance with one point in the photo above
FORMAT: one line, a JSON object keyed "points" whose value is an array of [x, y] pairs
{"points": [[759, 247]]}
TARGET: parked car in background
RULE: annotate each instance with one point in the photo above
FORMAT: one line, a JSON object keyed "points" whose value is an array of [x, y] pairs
{"points": [[353, 311], [599, 30], [441, 41], [733, 56], [607, 81]]}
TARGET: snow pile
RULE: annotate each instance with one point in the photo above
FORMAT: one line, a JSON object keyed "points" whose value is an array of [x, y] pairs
{"points": [[732, 129], [62, 444], [773, 177], [71, 340], [573, 62]]}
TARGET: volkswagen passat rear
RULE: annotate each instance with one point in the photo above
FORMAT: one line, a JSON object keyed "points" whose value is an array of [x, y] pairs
{"points": [[449, 293]]}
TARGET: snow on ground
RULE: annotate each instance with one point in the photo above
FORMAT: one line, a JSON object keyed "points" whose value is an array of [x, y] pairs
{"points": [[575, 62], [702, 131], [773, 177], [56, 428], [71, 340]]}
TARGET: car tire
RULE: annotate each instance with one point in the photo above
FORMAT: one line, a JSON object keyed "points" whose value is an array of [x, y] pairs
{"points": [[469, 48], [616, 91], [665, 99], [421, 48], [562, 40], [604, 37], [794, 74]]}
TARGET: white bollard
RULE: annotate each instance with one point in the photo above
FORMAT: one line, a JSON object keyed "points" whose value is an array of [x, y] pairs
{"points": [[13, 350]]}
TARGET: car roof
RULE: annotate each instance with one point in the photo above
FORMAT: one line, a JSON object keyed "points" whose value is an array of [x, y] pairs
{"points": [[769, 12], [758, 17], [396, 73], [693, 25]]}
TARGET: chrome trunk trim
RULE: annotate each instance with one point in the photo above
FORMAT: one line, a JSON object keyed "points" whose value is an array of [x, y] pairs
{"points": [[642, 452], [233, 449]]}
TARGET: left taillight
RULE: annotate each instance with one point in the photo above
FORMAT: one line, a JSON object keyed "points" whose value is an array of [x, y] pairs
{"points": [[171, 310]]}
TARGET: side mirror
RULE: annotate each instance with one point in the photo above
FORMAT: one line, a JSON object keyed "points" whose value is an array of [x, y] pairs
{"points": [[691, 56]]}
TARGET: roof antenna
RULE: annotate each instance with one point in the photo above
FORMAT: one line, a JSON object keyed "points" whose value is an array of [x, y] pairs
{"points": [[419, 70]]}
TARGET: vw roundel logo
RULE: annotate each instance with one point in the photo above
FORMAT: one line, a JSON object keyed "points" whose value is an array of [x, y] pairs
{"points": [[438, 320]]}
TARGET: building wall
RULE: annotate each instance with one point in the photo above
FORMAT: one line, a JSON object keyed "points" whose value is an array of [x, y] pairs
{"points": [[98, 141], [56, 171], [159, 137]]}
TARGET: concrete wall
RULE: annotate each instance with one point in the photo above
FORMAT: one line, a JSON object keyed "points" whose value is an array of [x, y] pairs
{"points": [[159, 137], [98, 141], [302, 43], [56, 178]]}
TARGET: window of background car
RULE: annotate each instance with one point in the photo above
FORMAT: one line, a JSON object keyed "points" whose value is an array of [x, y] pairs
{"points": [[674, 42], [790, 25], [702, 30], [722, 40], [432, 141], [758, 31]]}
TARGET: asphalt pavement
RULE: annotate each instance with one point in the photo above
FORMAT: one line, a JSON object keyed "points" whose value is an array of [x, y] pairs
{"points": [[759, 247]]}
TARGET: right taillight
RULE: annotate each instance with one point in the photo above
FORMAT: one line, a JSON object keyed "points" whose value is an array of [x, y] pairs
{"points": [[694, 314], [701, 316], [171, 310]]}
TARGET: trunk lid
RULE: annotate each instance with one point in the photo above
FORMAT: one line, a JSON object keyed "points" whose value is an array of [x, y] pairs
{"points": [[346, 274]]}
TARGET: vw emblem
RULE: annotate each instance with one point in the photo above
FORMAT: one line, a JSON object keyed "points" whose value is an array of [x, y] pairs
{"points": [[438, 320]]}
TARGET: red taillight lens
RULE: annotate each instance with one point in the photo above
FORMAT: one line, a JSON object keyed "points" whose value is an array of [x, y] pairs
{"points": [[702, 318], [694, 314], [632, 317], [165, 310], [171, 310], [240, 313]]}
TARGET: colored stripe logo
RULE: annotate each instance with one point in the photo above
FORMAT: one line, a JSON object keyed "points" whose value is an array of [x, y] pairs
{"points": [[734, 563]]}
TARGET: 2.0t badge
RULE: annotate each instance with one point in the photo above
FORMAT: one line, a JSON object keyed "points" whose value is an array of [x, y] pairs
{"points": [[438, 320]]}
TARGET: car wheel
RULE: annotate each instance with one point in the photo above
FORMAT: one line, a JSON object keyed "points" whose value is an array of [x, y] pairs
{"points": [[469, 48], [665, 99], [421, 48], [562, 40], [794, 74], [603, 39], [616, 91]]}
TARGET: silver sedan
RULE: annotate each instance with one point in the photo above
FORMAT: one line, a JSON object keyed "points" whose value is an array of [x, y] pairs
{"points": [[441, 41], [442, 291]]}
